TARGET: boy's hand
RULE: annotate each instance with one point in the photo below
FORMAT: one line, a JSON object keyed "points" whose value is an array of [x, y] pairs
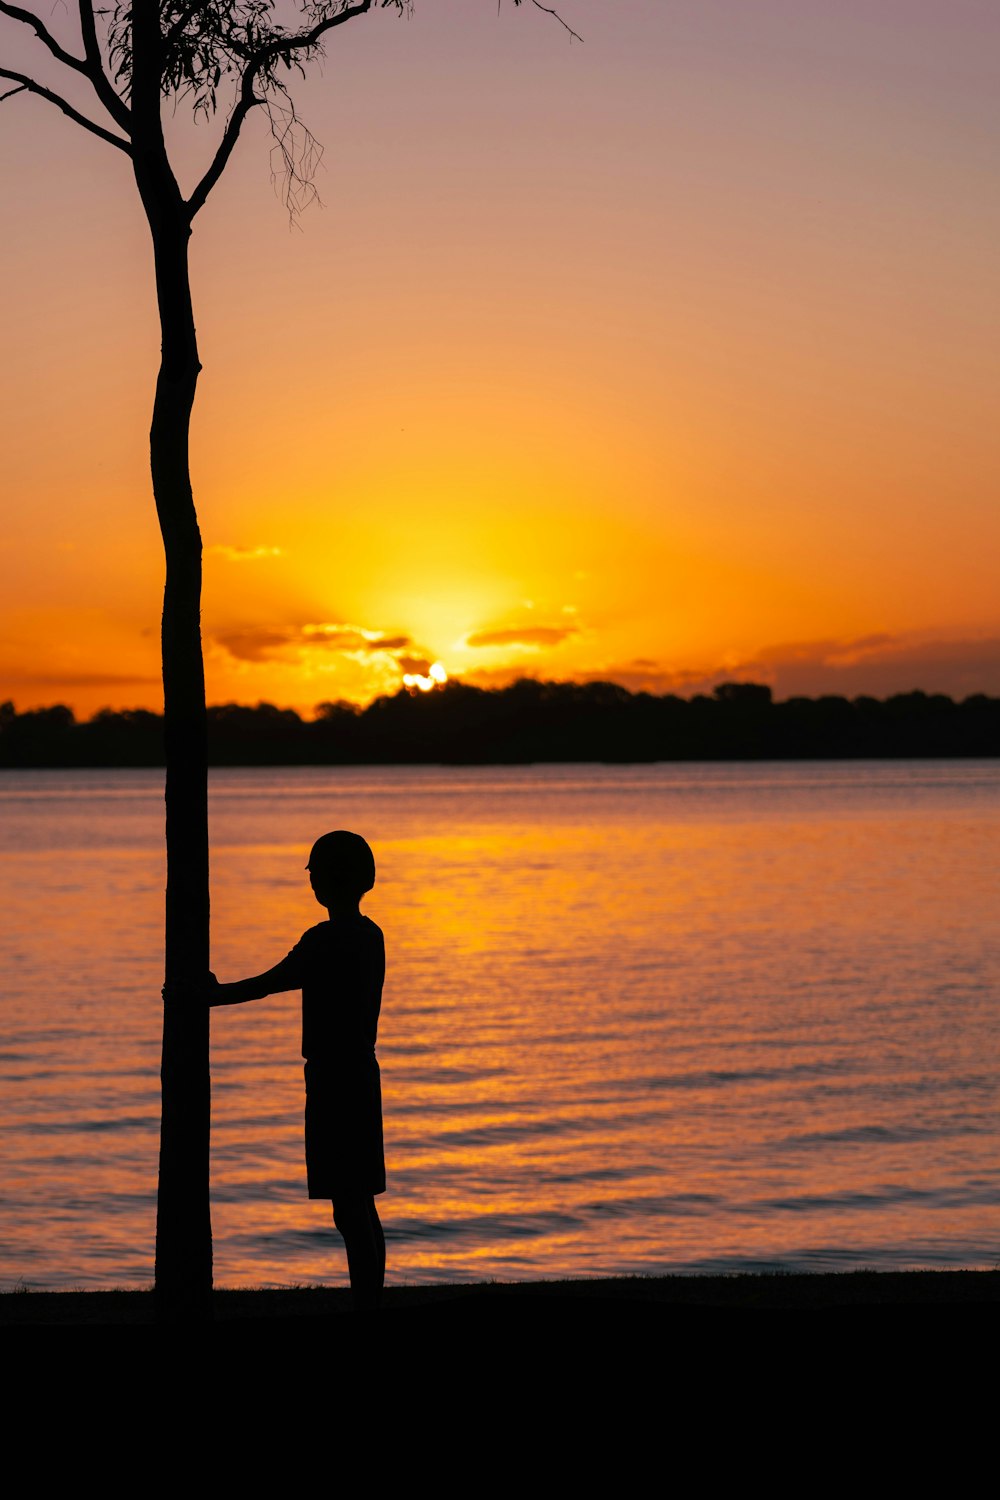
{"points": [[194, 991]]}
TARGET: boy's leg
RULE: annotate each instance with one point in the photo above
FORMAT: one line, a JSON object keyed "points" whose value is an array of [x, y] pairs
{"points": [[379, 1241], [365, 1259]]}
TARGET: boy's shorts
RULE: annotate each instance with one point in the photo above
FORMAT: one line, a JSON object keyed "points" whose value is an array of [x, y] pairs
{"points": [[344, 1149]]}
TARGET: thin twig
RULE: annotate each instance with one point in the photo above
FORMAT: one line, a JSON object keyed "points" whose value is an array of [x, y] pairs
{"points": [[575, 35], [300, 155]]}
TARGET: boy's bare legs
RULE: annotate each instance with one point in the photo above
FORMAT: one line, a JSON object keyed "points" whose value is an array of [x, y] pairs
{"points": [[379, 1243], [361, 1230]]}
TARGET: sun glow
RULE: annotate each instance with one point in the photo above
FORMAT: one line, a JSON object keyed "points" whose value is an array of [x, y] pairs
{"points": [[436, 675], [721, 466]]}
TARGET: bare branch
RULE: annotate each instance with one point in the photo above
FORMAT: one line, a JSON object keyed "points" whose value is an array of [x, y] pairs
{"points": [[303, 41], [28, 18], [549, 11], [280, 48], [32, 87], [299, 154], [247, 101], [90, 65], [113, 103], [257, 73]]}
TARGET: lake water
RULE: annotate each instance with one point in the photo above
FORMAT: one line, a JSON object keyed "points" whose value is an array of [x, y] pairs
{"points": [[636, 1019]]}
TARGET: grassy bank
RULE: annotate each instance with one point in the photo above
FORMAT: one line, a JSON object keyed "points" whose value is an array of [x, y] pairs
{"points": [[639, 1302]]}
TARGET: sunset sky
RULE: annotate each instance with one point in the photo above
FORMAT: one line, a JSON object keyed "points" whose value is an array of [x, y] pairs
{"points": [[666, 357]]}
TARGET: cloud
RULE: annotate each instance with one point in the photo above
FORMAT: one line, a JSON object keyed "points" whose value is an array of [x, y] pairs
{"points": [[352, 638], [876, 666], [255, 643], [24, 677], [643, 675], [288, 643], [523, 635], [833, 652], [243, 554], [389, 643], [365, 663]]}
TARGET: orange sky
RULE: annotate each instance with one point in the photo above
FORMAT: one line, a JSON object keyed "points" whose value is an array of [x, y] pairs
{"points": [[667, 357]]}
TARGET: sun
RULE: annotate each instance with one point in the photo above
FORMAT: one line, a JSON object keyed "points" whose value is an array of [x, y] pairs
{"points": [[436, 675]]}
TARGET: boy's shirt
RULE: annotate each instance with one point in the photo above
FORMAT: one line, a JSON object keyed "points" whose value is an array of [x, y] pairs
{"points": [[340, 969]]}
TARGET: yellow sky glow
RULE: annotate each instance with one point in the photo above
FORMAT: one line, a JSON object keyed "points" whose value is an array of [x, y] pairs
{"points": [[664, 358]]}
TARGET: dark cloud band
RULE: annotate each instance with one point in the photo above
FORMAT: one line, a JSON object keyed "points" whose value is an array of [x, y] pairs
{"points": [[523, 635]]}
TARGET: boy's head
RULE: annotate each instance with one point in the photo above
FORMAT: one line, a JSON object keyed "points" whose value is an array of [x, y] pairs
{"points": [[341, 867]]}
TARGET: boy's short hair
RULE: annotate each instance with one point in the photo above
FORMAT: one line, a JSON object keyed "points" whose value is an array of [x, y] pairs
{"points": [[344, 858]]}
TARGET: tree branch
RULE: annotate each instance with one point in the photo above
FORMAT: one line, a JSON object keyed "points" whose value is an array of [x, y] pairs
{"points": [[29, 85], [549, 11], [28, 18], [302, 40], [247, 101], [280, 47], [105, 91], [179, 25], [90, 65]]}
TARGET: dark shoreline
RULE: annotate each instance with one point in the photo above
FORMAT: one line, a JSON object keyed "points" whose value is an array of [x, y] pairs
{"points": [[528, 723], [619, 1304]]}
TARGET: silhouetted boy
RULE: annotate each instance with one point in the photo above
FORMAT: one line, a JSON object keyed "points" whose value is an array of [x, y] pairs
{"points": [[339, 966]]}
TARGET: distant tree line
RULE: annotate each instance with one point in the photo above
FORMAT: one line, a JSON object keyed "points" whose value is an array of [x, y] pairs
{"points": [[526, 722]]}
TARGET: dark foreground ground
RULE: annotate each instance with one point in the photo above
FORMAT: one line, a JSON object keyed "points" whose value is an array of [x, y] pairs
{"points": [[622, 1306], [782, 1385]]}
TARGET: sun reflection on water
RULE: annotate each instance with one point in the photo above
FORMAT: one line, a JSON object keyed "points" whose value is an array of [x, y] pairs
{"points": [[635, 1018]]}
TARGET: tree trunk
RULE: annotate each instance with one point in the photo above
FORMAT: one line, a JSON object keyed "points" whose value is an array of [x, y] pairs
{"points": [[183, 1222], [183, 1225]]}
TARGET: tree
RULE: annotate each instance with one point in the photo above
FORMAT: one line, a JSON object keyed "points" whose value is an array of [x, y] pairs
{"points": [[134, 56]]}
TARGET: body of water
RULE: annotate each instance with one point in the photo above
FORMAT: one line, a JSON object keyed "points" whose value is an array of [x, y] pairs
{"points": [[636, 1019]]}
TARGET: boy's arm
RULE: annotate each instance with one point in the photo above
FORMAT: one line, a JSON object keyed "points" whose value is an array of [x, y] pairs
{"points": [[284, 976]]}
